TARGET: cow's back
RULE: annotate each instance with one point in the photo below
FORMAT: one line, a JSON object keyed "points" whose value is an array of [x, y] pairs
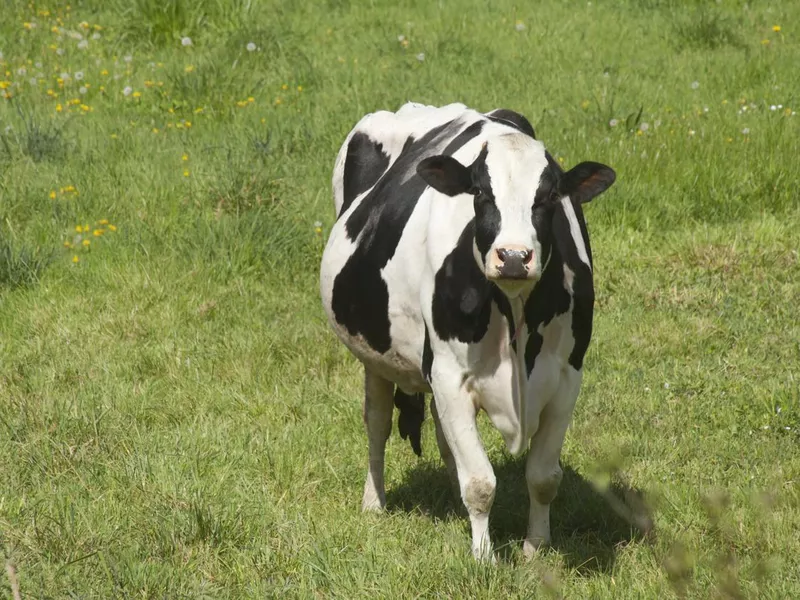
{"points": [[375, 257]]}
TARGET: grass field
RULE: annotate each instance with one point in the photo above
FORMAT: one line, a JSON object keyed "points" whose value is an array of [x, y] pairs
{"points": [[176, 418]]}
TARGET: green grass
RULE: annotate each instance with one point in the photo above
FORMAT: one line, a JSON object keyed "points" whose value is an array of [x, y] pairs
{"points": [[176, 418]]}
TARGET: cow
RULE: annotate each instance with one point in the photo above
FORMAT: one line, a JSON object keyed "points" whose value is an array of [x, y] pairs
{"points": [[459, 265]]}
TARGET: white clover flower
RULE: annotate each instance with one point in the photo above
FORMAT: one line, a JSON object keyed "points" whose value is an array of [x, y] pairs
{"points": [[22, 71], [78, 75], [38, 65], [745, 131], [401, 38], [695, 85], [705, 109], [692, 132], [773, 107], [520, 26], [82, 90], [65, 76], [644, 126], [96, 36], [60, 51], [251, 47], [317, 224], [127, 58], [127, 91], [83, 44], [666, 385], [33, 81], [186, 41], [613, 123], [421, 56], [780, 106]]}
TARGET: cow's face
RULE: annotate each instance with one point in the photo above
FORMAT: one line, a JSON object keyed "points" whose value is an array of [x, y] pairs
{"points": [[516, 191]]}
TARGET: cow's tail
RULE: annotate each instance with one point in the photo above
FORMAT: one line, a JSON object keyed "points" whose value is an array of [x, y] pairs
{"points": [[412, 413]]}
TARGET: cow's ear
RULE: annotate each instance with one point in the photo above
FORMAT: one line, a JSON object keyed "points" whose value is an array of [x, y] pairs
{"points": [[445, 174], [585, 181]]}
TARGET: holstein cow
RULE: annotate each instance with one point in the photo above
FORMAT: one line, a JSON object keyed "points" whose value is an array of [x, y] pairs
{"points": [[460, 264]]}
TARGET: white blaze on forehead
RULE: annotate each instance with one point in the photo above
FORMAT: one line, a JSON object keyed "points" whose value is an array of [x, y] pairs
{"points": [[515, 163], [575, 230]]}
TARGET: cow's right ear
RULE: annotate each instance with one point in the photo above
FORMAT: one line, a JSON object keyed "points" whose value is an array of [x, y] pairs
{"points": [[445, 174]]}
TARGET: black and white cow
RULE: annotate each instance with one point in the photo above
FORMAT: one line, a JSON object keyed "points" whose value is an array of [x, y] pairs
{"points": [[460, 264]]}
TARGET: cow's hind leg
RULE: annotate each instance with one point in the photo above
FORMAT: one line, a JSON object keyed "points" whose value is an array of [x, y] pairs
{"points": [[378, 406], [542, 470], [444, 450]]}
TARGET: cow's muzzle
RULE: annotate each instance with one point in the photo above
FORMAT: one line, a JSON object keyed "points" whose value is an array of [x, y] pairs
{"points": [[513, 262]]}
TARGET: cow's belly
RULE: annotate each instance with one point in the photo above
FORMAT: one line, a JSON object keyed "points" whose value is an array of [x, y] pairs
{"points": [[402, 362]]}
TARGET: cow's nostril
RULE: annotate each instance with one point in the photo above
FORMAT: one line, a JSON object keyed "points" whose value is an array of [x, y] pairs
{"points": [[528, 256], [502, 254]]}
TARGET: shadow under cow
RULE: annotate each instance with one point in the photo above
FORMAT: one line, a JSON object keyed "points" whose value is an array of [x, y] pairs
{"points": [[588, 524]]}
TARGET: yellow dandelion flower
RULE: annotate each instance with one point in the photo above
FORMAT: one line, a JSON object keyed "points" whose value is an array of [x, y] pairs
{"points": [[113, 136], [729, 140], [67, 244], [78, 229], [4, 85], [137, 94], [155, 129], [278, 100], [561, 159], [189, 68], [75, 259], [104, 72], [86, 108], [185, 157], [585, 104], [263, 120], [198, 110], [285, 86], [86, 243], [765, 42], [171, 110], [86, 228], [251, 99], [98, 232], [112, 227], [776, 28], [103, 222], [54, 29], [299, 88], [186, 172], [52, 194], [188, 124], [179, 125]]}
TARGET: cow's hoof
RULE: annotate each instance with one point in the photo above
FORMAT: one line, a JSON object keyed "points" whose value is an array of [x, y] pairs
{"points": [[531, 547], [372, 503]]}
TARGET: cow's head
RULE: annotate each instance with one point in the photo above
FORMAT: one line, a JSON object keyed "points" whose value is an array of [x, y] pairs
{"points": [[516, 190]]}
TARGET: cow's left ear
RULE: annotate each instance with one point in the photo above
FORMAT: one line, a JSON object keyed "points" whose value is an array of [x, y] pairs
{"points": [[445, 174], [585, 181]]}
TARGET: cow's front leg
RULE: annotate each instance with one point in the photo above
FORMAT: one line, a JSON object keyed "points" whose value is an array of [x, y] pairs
{"points": [[456, 414], [378, 406], [542, 470]]}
